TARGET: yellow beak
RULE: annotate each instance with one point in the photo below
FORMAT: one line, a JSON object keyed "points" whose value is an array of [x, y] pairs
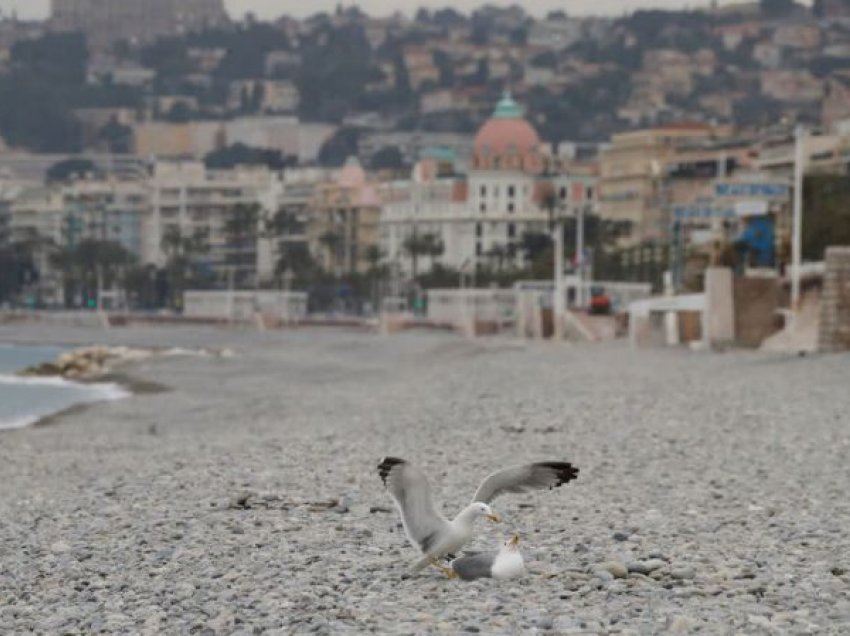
{"points": [[494, 518], [514, 540]]}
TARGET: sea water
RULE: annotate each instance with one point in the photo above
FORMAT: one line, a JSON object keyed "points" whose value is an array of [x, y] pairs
{"points": [[24, 401]]}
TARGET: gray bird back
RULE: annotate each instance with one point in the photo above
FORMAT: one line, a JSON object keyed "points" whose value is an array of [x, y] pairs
{"points": [[477, 566]]}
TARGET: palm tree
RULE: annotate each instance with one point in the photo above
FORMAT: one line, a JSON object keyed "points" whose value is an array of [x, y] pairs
{"points": [[549, 202], [417, 245], [374, 256], [17, 269], [511, 251], [331, 241], [284, 223], [242, 229], [90, 266], [181, 254], [498, 253]]}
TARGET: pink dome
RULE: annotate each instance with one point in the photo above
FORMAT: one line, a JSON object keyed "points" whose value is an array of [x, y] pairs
{"points": [[506, 136], [352, 174], [507, 140]]}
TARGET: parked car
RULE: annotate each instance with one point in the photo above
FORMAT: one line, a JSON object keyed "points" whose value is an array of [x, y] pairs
{"points": [[600, 302]]}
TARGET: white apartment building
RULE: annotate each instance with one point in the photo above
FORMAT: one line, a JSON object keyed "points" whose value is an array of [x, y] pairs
{"points": [[190, 201], [34, 214], [52, 218]]}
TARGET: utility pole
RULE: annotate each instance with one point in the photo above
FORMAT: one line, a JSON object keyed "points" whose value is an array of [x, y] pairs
{"points": [[580, 265], [559, 305], [231, 271], [797, 222]]}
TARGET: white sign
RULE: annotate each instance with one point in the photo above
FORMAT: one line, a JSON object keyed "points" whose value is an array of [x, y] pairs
{"points": [[684, 212], [751, 208]]}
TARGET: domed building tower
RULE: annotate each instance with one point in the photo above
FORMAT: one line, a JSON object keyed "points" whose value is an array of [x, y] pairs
{"points": [[505, 184], [478, 219], [508, 141]]}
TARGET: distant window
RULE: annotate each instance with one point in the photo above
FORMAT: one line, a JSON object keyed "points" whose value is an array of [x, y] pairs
{"points": [[563, 193], [483, 207], [511, 230], [511, 192], [511, 207], [484, 191], [496, 191], [589, 193], [478, 249], [479, 230]]}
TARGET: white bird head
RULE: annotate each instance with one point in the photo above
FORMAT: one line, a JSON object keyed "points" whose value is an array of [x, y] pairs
{"points": [[483, 510], [512, 544]]}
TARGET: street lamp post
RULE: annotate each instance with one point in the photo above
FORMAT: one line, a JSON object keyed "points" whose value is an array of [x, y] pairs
{"points": [[580, 265], [797, 223], [559, 305]]}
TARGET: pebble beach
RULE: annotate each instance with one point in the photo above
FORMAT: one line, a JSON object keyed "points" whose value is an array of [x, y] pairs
{"points": [[712, 496]]}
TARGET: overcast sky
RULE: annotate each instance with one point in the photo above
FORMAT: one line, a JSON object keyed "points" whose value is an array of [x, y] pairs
{"points": [[274, 8]]}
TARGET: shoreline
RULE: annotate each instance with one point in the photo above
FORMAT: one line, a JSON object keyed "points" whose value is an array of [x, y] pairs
{"points": [[132, 386], [108, 380]]}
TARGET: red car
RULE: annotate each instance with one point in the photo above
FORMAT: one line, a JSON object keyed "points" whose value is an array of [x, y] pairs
{"points": [[600, 303]]}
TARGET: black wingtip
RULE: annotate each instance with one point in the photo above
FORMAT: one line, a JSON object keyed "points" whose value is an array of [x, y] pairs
{"points": [[564, 471], [386, 465]]}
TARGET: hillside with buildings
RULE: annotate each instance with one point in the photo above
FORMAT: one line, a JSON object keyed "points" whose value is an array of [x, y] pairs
{"points": [[163, 147], [170, 74]]}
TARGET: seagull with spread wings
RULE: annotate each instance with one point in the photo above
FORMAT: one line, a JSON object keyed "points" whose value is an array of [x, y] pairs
{"points": [[431, 532]]}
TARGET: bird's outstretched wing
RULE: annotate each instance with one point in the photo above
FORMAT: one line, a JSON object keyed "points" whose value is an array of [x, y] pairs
{"points": [[539, 476], [409, 488]]}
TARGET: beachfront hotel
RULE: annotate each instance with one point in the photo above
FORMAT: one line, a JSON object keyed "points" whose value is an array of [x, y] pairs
{"points": [[481, 217]]}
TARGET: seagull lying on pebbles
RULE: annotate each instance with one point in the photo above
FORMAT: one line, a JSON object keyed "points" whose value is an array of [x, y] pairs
{"points": [[507, 563], [436, 536]]}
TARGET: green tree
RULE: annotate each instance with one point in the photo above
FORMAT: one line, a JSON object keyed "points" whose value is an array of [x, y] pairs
{"points": [[55, 58], [242, 229], [332, 242], [337, 66], [498, 254], [118, 137], [418, 245], [140, 284], [297, 261], [69, 169], [388, 158], [182, 269], [377, 271], [91, 265], [17, 270], [243, 155], [827, 214], [336, 150], [776, 8], [537, 249]]}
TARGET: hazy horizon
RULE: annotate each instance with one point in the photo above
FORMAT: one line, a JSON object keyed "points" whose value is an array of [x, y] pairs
{"points": [[266, 9]]}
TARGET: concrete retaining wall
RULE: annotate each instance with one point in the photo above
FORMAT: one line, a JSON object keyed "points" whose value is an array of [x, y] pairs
{"points": [[757, 304], [834, 329]]}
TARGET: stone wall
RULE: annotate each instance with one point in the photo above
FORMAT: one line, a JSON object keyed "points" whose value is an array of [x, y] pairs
{"points": [[720, 305], [757, 303], [834, 330]]}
